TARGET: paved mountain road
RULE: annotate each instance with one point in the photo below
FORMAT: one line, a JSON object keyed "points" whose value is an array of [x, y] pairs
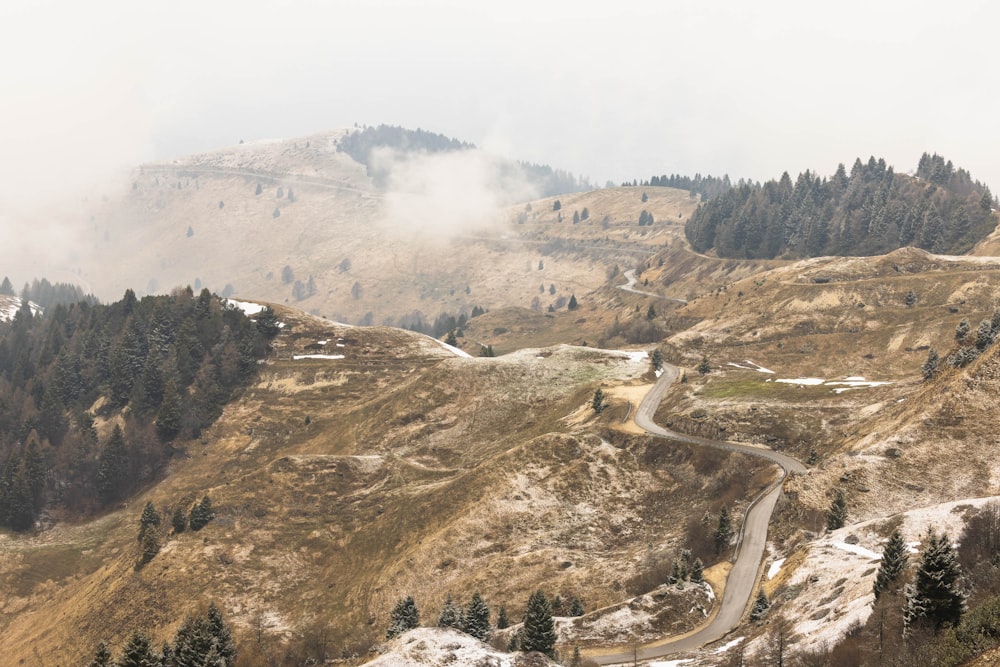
{"points": [[750, 547]]}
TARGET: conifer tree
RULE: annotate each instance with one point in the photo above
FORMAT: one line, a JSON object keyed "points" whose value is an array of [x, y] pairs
{"points": [[836, 517], [930, 367], [502, 621], [656, 358], [138, 652], [761, 605], [894, 558], [704, 367], [201, 514], [724, 531], [576, 607], [112, 467], [572, 305], [936, 596], [698, 571], [539, 629], [179, 520], [451, 615], [150, 517], [102, 657], [477, 618], [222, 636], [405, 616], [597, 403]]}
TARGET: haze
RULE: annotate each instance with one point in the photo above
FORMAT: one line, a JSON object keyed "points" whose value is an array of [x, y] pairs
{"points": [[610, 92]]}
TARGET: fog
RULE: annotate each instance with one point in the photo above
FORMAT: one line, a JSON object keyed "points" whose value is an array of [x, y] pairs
{"points": [[608, 91], [439, 196]]}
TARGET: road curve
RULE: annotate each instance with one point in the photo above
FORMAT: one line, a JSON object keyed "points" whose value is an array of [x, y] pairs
{"points": [[750, 546], [630, 287]]}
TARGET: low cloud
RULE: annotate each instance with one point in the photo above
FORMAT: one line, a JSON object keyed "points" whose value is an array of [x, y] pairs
{"points": [[444, 195]]}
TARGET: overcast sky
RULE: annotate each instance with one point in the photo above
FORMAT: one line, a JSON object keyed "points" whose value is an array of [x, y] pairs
{"points": [[609, 90]]}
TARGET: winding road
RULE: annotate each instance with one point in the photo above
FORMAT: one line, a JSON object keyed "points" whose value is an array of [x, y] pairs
{"points": [[630, 287], [750, 545]]}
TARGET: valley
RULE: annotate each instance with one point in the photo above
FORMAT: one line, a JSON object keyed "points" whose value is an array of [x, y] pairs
{"points": [[425, 421]]}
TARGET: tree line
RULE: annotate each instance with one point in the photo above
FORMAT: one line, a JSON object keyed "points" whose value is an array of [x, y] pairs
{"points": [[173, 361], [869, 211]]}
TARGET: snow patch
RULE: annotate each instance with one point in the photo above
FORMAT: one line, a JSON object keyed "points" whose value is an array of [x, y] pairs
{"points": [[802, 381], [296, 357], [728, 645], [859, 551], [247, 307], [775, 568]]}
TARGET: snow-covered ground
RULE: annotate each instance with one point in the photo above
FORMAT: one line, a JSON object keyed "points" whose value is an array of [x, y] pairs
{"points": [[751, 366], [437, 647], [840, 386], [13, 304], [296, 357]]}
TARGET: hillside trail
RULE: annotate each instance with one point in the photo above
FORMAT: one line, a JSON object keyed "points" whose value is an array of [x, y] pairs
{"points": [[630, 287], [750, 543]]}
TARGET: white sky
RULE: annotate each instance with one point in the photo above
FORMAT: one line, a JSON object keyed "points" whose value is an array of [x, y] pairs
{"points": [[608, 90]]}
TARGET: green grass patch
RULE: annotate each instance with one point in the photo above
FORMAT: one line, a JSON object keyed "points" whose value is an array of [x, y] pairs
{"points": [[743, 387]]}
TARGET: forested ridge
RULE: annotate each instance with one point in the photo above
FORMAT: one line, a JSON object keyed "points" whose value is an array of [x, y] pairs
{"points": [[869, 211], [362, 145], [165, 364]]}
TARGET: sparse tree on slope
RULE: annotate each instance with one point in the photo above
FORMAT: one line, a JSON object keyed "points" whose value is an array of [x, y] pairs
{"points": [[894, 558], [502, 621], [698, 571], [405, 616], [962, 330], [724, 532], [836, 517], [451, 615], [935, 596], [761, 605], [576, 607], [477, 618], [222, 637], [138, 652], [930, 367], [539, 629], [201, 514], [597, 403], [102, 656], [179, 520], [704, 367]]}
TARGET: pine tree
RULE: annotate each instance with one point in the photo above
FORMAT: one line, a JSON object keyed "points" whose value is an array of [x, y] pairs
{"points": [[451, 615], [598, 403], [930, 367], [405, 616], [502, 621], [179, 520], [572, 305], [935, 596], [201, 514], [657, 359], [222, 637], [477, 618], [761, 605], [894, 558], [698, 571], [168, 419], [192, 642], [836, 517], [149, 545], [112, 466], [577, 659], [539, 629], [704, 367], [962, 330], [724, 531], [138, 652], [150, 517], [102, 657], [576, 607]]}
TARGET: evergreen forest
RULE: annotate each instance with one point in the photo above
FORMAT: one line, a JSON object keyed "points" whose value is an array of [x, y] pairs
{"points": [[869, 211], [159, 369]]}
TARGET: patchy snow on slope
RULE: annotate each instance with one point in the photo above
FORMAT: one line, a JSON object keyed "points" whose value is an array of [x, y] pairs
{"points": [[840, 386], [437, 647], [296, 357], [13, 304], [775, 568], [249, 309], [837, 573], [751, 366]]}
